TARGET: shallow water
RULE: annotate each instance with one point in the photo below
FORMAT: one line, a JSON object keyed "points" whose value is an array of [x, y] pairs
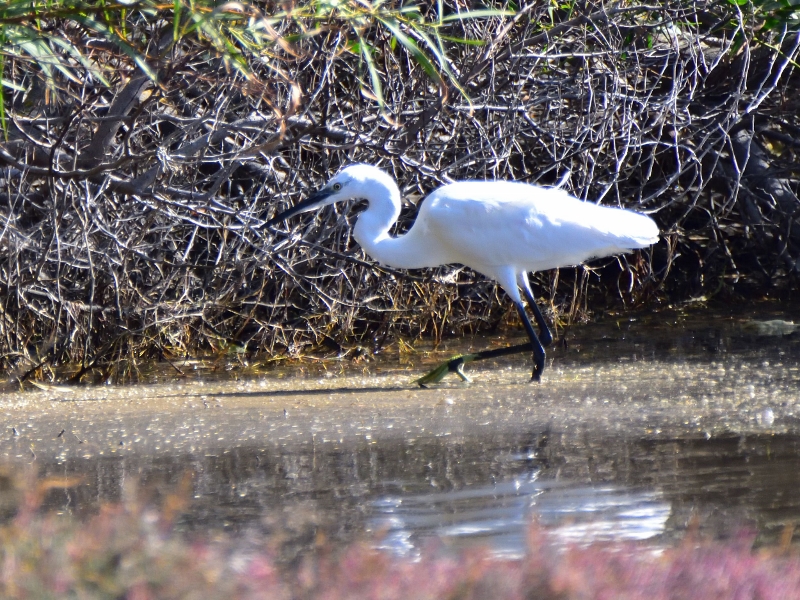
{"points": [[639, 429]]}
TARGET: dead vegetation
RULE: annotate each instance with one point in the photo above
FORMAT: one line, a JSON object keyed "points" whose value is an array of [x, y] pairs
{"points": [[131, 214]]}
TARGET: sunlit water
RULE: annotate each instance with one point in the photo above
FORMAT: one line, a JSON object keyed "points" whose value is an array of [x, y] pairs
{"points": [[638, 430], [501, 512]]}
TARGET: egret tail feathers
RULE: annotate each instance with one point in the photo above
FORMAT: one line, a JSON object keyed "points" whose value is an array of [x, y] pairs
{"points": [[630, 230]]}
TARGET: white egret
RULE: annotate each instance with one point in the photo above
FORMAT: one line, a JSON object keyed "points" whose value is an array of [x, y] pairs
{"points": [[502, 229]]}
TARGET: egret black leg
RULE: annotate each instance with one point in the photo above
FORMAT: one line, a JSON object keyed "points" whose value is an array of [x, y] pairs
{"points": [[545, 336], [536, 345], [456, 364]]}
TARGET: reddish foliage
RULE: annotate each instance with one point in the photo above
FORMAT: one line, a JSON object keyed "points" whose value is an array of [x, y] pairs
{"points": [[128, 552]]}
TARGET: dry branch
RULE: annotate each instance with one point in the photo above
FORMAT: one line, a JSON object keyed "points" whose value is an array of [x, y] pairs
{"points": [[131, 218]]}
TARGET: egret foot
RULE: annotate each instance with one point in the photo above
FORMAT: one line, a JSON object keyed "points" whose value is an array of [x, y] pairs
{"points": [[457, 366], [454, 365]]}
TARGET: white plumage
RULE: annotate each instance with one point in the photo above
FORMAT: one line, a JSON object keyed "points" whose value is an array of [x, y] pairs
{"points": [[501, 229]]}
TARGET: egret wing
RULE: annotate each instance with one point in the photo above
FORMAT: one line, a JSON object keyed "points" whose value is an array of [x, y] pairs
{"points": [[501, 224]]}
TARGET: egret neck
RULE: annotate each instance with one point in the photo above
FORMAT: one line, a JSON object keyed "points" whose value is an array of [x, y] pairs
{"points": [[372, 229]]}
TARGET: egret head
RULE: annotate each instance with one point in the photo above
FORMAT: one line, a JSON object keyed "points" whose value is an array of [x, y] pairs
{"points": [[355, 181]]}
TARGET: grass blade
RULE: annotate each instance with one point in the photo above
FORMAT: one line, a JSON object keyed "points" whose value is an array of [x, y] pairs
{"points": [[476, 14], [375, 78], [419, 56], [73, 51]]}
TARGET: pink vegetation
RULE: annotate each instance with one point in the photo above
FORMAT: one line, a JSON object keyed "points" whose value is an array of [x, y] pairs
{"points": [[128, 552]]}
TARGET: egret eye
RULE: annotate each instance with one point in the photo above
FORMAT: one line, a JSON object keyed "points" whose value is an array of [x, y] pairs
{"points": [[337, 187]]}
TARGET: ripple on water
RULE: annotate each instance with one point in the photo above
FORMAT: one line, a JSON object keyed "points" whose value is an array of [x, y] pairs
{"points": [[499, 514]]}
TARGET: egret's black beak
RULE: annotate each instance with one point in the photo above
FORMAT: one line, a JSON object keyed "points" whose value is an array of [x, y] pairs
{"points": [[309, 203]]}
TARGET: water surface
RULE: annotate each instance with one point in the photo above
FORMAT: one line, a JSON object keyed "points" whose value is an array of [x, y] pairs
{"points": [[638, 430]]}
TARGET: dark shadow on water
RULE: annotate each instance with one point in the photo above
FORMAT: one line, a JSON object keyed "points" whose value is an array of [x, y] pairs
{"points": [[302, 392]]}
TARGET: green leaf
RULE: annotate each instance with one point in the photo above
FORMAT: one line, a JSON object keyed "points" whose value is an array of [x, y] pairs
{"points": [[464, 41], [436, 48], [413, 48], [477, 14], [375, 78], [176, 20], [87, 64], [34, 46], [210, 27], [3, 122], [122, 44], [10, 84]]}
